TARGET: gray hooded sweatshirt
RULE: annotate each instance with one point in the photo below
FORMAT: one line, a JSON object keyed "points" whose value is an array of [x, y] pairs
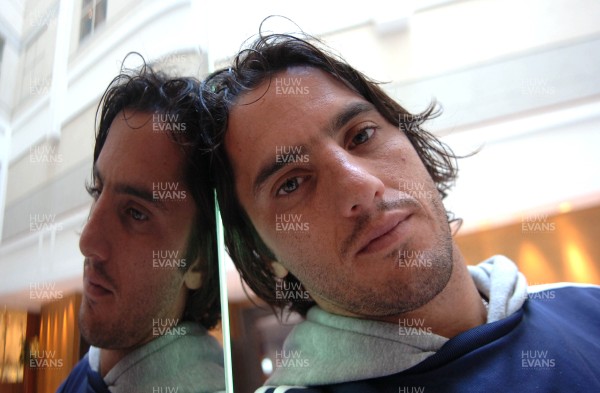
{"points": [[189, 361], [347, 349]]}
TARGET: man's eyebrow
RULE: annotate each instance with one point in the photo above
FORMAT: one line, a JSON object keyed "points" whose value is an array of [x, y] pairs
{"points": [[347, 113], [140, 192], [133, 190]]}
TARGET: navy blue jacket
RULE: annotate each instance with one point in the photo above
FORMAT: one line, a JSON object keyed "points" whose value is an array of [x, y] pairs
{"points": [[551, 345], [83, 379]]}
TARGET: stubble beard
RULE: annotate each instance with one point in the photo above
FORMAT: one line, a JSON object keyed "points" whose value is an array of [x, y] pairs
{"points": [[394, 294], [101, 331]]}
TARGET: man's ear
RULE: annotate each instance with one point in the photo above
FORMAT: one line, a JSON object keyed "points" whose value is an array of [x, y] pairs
{"points": [[279, 270], [193, 276]]}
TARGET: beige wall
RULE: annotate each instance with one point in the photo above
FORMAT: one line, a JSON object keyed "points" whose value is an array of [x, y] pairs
{"points": [[438, 40], [32, 171], [39, 31], [547, 249]]}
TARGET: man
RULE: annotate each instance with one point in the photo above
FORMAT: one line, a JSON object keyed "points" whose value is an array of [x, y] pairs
{"points": [[150, 276], [316, 169]]}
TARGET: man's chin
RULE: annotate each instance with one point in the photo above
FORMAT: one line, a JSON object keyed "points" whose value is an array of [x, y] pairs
{"points": [[104, 339], [92, 334], [99, 332]]}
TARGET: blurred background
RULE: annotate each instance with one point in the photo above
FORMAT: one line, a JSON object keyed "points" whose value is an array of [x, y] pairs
{"points": [[518, 79]]}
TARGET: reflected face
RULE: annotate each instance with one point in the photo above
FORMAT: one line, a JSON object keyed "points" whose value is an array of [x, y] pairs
{"points": [[135, 238], [339, 195]]}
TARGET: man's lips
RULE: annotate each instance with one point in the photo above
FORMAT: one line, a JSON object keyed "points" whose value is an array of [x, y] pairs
{"points": [[385, 233], [95, 288]]}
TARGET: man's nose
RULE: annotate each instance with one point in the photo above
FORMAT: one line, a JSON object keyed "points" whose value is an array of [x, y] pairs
{"points": [[356, 187]]}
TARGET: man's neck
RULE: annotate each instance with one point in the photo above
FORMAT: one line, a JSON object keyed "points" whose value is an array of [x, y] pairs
{"points": [[110, 357]]}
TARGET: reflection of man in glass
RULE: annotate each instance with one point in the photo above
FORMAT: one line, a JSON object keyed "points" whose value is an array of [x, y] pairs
{"points": [[150, 284], [331, 195]]}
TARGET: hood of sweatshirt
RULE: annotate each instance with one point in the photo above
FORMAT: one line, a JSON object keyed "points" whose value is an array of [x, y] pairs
{"points": [[187, 359], [328, 348]]}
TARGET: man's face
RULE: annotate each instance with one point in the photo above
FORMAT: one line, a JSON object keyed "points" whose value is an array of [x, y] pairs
{"points": [[136, 236], [339, 195]]}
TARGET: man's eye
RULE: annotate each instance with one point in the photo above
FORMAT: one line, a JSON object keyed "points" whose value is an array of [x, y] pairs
{"points": [[363, 136], [137, 215], [290, 185]]}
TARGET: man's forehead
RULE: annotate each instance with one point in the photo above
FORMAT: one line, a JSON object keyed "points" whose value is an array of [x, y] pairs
{"points": [[136, 148], [140, 130], [295, 95]]}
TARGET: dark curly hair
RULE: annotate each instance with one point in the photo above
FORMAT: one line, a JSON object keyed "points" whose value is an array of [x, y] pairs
{"points": [[267, 56], [145, 90]]}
